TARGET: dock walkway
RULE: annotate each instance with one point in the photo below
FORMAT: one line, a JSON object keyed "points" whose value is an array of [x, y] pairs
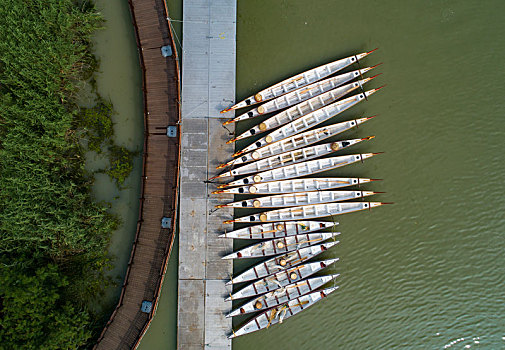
{"points": [[158, 199], [208, 86]]}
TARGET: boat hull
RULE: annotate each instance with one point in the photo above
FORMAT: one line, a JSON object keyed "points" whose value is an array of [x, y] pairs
{"points": [[298, 81], [308, 212], [298, 199], [282, 312], [282, 262], [278, 229], [281, 245], [295, 142], [309, 121], [292, 157], [281, 296], [300, 169], [314, 101], [281, 279], [297, 185]]}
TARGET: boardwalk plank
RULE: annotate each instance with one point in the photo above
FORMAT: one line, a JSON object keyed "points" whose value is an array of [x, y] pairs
{"points": [[160, 176]]}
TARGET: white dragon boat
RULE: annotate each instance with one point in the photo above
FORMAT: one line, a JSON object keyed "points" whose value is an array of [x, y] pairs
{"points": [[300, 169], [308, 121], [307, 212], [281, 262], [299, 110], [282, 295], [298, 199], [297, 141], [281, 245], [291, 157], [298, 81], [297, 185], [279, 313], [301, 95], [281, 279], [278, 229]]}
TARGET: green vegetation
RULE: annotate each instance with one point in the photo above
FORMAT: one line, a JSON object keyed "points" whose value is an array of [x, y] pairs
{"points": [[53, 237], [121, 163], [96, 123], [96, 127]]}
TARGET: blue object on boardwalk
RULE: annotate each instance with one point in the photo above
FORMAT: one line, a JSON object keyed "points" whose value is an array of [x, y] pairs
{"points": [[147, 306], [166, 51], [172, 131], [166, 222]]}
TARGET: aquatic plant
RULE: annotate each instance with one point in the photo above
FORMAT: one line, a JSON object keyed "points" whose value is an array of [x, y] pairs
{"points": [[96, 124], [121, 163]]}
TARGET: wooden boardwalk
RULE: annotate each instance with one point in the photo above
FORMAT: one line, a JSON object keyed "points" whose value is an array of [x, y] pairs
{"points": [[158, 198]]}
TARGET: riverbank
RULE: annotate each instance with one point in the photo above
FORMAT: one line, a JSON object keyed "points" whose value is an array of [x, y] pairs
{"points": [[54, 235]]}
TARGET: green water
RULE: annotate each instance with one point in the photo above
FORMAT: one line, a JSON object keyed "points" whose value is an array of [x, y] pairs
{"points": [[119, 80], [430, 269]]}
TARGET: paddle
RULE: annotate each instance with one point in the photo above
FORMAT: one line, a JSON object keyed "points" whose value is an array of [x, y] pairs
{"points": [[303, 242], [263, 232]]}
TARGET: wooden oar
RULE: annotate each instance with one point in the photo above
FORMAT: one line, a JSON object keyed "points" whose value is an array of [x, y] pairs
{"points": [[302, 259], [303, 242], [294, 262], [275, 279], [270, 318], [281, 317], [248, 234], [287, 245], [236, 154]]}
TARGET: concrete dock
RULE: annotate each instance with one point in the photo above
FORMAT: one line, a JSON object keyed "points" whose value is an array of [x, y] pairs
{"points": [[208, 86]]}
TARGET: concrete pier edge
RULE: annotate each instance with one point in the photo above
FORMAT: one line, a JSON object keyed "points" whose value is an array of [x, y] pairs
{"points": [[208, 86]]}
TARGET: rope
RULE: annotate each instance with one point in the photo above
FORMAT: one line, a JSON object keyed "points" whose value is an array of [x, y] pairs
{"points": [[178, 20], [175, 33], [230, 133], [212, 211]]}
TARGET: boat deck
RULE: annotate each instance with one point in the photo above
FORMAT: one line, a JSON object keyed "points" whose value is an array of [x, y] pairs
{"points": [[158, 198], [208, 80]]}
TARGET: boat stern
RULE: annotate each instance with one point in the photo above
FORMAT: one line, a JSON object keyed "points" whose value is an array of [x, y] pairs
{"points": [[327, 291], [364, 54], [369, 155], [368, 193], [328, 245], [373, 91], [362, 120]]}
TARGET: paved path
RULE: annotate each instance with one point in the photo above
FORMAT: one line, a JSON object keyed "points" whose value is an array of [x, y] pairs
{"points": [[208, 86]]}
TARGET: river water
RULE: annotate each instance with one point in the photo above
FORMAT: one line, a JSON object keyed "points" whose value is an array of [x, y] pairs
{"points": [[119, 80], [429, 271]]}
